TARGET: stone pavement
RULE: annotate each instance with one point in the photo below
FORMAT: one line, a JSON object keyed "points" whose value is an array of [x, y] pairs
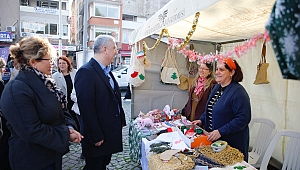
{"points": [[119, 161]]}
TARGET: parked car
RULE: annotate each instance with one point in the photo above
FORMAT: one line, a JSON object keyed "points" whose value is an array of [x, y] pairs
{"points": [[120, 74]]}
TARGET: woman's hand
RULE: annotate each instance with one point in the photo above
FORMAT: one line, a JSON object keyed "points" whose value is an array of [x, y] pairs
{"points": [[75, 136], [99, 143], [214, 135], [195, 122]]}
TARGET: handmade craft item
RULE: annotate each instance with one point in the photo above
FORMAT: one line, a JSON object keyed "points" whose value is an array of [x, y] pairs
{"points": [[261, 75], [136, 70], [170, 72], [142, 122], [167, 155], [228, 156], [177, 162]]}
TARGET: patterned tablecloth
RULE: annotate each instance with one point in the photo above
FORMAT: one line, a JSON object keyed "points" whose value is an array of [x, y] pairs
{"points": [[135, 140]]}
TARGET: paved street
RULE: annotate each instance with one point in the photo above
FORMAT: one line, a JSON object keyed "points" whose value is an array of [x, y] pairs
{"points": [[120, 161]]}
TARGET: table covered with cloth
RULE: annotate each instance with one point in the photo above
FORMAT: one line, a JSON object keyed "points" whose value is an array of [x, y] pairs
{"points": [[135, 140]]}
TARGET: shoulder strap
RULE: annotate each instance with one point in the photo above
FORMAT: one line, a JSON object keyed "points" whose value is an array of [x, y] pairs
{"points": [[263, 53]]}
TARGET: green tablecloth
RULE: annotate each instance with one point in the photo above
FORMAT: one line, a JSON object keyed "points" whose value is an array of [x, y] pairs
{"points": [[135, 140]]}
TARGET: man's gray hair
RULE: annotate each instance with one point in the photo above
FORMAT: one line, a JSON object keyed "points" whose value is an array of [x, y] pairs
{"points": [[101, 41]]}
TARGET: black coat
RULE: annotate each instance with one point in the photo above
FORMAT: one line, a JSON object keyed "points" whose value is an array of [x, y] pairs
{"points": [[1, 89], [40, 135], [101, 109]]}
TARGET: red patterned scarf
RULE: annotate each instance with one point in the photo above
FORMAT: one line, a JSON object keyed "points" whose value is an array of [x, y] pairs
{"points": [[200, 85]]}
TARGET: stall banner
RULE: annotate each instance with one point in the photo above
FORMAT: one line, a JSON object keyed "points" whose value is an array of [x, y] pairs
{"points": [[6, 36], [4, 52]]}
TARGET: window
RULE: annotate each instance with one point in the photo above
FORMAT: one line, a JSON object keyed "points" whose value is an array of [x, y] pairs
{"points": [[129, 17], [25, 26], [65, 30], [53, 29], [24, 2], [30, 27], [64, 6], [47, 4], [100, 11], [40, 28], [113, 31], [47, 28], [126, 33], [44, 4], [53, 4], [33, 27], [43, 28], [107, 10]]}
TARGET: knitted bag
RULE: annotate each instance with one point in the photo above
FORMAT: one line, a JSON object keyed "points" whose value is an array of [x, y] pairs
{"points": [[170, 72], [261, 75], [136, 70]]}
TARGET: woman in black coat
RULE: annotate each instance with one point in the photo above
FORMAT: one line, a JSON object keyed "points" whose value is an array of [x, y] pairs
{"points": [[35, 109]]}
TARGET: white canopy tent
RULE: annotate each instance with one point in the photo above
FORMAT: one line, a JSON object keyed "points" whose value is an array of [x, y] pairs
{"points": [[219, 21]]}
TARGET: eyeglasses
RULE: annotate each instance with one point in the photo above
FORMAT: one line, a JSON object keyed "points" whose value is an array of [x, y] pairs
{"points": [[49, 59], [203, 68]]}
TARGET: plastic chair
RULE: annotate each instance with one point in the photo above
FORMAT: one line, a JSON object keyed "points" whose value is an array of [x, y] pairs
{"points": [[291, 157], [264, 135]]}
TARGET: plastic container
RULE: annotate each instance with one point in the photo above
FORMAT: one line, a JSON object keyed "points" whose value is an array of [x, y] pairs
{"points": [[219, 145]]}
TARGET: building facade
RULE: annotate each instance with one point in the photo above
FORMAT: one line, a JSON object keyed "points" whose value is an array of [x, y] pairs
{"points": [[9, 25], [38, 18], [113, 17]]}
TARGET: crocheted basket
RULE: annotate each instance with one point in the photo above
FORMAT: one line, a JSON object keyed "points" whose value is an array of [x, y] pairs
{"points": [[181, 162]]}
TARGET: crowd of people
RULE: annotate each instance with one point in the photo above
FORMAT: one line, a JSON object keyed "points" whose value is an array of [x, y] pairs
{"points": [[38, 116], [42, 113]]}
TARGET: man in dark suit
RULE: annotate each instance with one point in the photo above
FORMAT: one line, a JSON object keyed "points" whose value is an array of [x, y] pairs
{"points": [[100, 105]]}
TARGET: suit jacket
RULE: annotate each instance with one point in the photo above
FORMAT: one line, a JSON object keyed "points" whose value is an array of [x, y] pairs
{"points": [[38, 124], [61, 82], [101, 109]]}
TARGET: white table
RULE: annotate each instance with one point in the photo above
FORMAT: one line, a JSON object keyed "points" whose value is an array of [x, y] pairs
{"points": [[144, 160]]}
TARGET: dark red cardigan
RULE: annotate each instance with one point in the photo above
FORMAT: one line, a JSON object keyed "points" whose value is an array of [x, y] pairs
{"points": [[201, 104]]}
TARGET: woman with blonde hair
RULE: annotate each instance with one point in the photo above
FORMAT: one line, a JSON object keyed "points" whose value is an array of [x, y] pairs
{"points": [[199, 92], [35, 109]]}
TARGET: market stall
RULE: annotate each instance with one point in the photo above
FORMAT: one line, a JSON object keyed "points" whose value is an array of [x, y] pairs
{"points": [[219, 21], [164, 139], [222, 25]]}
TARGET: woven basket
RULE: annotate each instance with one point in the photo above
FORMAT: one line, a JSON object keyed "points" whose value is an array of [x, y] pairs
{"points": [[181, 162], [228, 156]]}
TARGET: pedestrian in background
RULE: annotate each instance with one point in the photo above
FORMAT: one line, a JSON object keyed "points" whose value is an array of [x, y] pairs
{"points": [[64, 79], [100, 105], [35, 109], [4, 162], [76, 110], [14, 70]]}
